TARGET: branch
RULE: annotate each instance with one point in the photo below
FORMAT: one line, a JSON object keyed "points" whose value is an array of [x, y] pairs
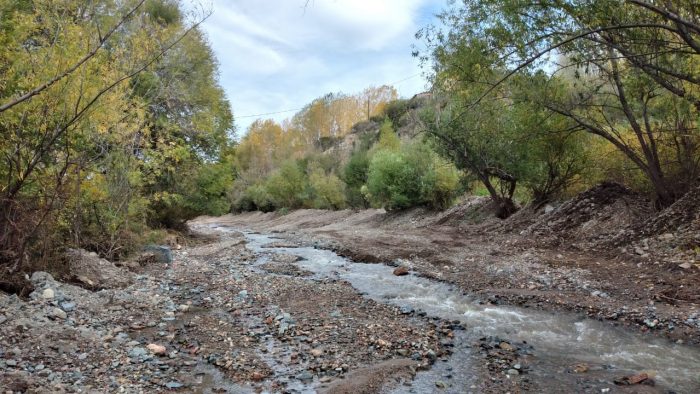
{"points": [[88, 56]]}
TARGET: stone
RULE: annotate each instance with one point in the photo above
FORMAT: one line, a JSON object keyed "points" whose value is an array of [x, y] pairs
{"points": [[513, 372], [156, 349], [173, 385], [68, 306], [58, 313], [257, 376], [440, 385], [686, 266], [316, 352], [162, 253], [95, 272], [48, 294], [506, 346], [305, 377], [401, 271]]}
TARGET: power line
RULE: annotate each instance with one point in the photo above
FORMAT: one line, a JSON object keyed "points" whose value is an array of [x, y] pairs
{"points": [[299, 109]]}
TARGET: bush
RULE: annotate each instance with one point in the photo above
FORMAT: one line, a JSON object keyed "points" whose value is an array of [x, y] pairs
{"points": [[287, 186], [328, 190], [355, 176], [412, 176], [395, 110]]}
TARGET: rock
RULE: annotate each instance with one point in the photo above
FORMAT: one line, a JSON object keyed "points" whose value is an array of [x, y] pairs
{"points": [[305, 377], [506, 346], [137, 352], [316, 352], [581, 368], [162, 253], [68, 306], [401, 271], [95, 272], [257, 376], [173, 385], [632, 379], [58, 313], [406, 310], [156, 349], [685, 266], [440, 385], [325, 379], [651, 323], [47, 294], [513, 372], [666, 237]]}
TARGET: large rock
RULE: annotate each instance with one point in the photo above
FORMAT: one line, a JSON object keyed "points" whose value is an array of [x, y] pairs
{"points": [[162, 254], [95, 272]]}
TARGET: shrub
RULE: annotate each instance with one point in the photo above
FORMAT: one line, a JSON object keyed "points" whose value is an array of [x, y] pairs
{"points": [[355, 176], [412, 176]]}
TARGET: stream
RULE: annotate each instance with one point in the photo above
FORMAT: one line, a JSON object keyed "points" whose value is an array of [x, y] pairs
{"points": [[557, 340]]}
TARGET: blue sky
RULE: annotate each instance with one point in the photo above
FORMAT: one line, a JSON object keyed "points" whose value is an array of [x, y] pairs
{"points": [[277, 55]]}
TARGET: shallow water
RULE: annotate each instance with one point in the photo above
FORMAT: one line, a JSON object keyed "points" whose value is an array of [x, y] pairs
{"points": [[558, 339]]}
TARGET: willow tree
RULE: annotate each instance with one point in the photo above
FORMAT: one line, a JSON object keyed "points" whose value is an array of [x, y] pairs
{"points": [[635, 64], [68, 112]]}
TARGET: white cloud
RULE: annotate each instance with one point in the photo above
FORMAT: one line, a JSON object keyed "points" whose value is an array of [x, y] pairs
{"points": [[280, 54]]}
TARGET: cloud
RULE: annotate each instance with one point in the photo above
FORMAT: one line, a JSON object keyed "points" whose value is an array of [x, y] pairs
{"points": [[281, 54]]}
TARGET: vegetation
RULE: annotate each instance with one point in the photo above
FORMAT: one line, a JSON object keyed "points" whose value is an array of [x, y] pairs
{"points": [[112, 121], [115, 127]]}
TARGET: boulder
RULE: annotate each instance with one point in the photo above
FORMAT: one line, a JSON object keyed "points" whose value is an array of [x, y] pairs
{"points": [[160, 253], [94, 272]]}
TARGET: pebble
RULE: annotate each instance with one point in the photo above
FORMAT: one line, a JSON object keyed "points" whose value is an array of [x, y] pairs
{"points": [[513, 372], [48, 294], [58, 313]]}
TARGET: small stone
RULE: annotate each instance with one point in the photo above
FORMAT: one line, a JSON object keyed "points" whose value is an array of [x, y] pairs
{"points": [[156, 349], [305, 377], [316, 352], [58, 313], [440, 385], [581, 368], [173, 385], [401, 271], [257, 376], [686, 266], [68, 306], [506, 346], [47, 294], [513, 372], [325, 379]]}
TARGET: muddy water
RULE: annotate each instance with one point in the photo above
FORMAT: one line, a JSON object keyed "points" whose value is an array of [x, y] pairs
{"points": [[558, 341]]}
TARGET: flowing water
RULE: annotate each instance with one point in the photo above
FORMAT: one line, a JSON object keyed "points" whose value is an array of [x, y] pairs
{"points": [[558, 340]]}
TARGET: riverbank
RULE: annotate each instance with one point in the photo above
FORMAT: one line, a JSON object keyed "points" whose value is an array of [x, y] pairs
{"points": [[579, 268]]}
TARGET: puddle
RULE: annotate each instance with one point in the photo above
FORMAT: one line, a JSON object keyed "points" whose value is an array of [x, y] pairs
{"points": [[559, 340]]}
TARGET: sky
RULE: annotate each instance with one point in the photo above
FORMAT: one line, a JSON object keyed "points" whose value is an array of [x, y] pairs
{"points": [[278, 55]]}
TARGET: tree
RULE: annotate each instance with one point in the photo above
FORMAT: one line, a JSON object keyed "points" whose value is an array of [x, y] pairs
{"points": [[70, 120], [629, 58]]}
